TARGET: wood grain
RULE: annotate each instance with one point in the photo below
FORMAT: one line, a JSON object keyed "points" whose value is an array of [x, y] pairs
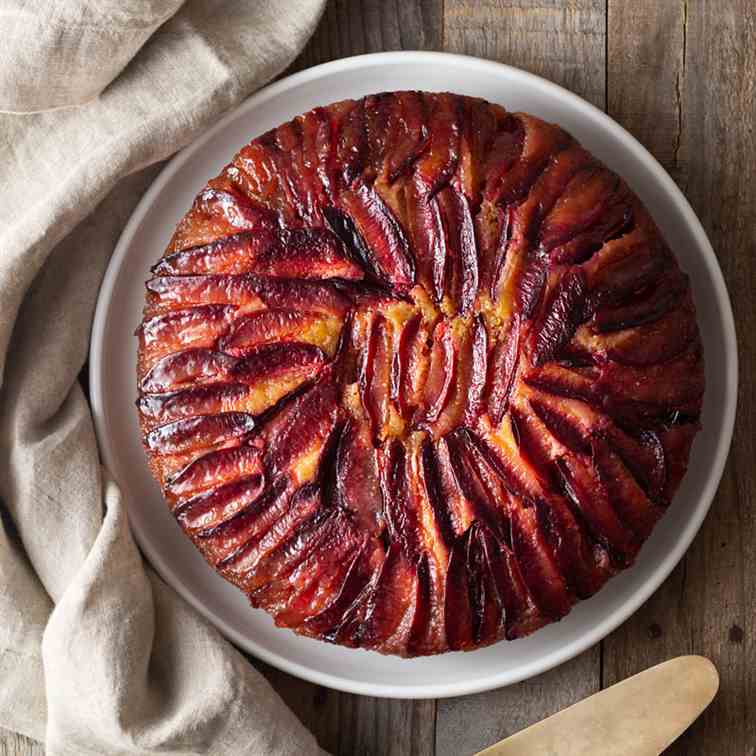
{"points": [[355, 27], [690, 96], [468, 724], [564, 41]]}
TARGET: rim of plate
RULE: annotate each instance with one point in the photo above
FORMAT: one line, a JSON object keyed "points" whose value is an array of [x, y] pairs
{"points": [[693, 523]]}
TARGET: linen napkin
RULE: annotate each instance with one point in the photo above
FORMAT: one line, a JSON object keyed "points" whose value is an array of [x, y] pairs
{"points": [[97, 654]]}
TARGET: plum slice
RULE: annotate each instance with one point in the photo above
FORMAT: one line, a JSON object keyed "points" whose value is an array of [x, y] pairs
{"points": [[198, 400], [220, 541], [628, 499], [210, 508], [220, 210], [296, 436], [478, 128], [654, 342], [400, 508], [191, 366], [251, 292], [391, 599], [410, 366], [175, 330], [587, 492], [457, 609], [441, 372], [536, 561], [275, 325], [375, 376], [560, 317], [520, 614], [429, 241], [642, 310], [221, 466], [438, 162], [284, 253], [327, 622], [411, 136], [351, 147], [357, 479], [198, 432], [478, 482], [384, 242], [501, 371], [461, 270], [487, 612], [539, 141], [285, 358], [305, 509]]}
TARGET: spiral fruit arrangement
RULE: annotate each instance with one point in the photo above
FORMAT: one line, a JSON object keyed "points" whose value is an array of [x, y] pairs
{"points": [[417, 373]]}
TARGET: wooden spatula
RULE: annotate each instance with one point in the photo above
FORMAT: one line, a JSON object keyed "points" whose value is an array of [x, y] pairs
{"points": [[639, 716]]}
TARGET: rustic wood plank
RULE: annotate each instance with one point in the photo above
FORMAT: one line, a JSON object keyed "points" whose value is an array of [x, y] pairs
{"points": [[561, 40], [564, 42], [468, 724], [12, 744], [690, 96], [346, 724], [354, 27]]}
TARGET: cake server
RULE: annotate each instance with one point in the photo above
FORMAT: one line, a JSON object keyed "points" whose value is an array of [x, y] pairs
{"points": [[639, 716]]}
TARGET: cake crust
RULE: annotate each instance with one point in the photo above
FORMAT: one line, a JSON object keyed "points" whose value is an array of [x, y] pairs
{"points": [[417, 374]]}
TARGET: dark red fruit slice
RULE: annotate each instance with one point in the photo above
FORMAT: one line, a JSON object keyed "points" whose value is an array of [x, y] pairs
{"points": [[243, 564], [302, 426], [220, 210], [211, 508], [461, 270], [216, 467], [399, 507], [536, 562], [440, 372], [390, 600], [357, 482], [429, 242], [198, 432], [286, 253], [539, 142], [289, 359], [172, 331], [385, 242], [351, 147], [591, 498], [265, 326], [502, 370], [486, 609], [410, 366], [199, 400], [632, 505], [439, 161], [561, 316], [192, 366], [521, 616], [249, 291], [457, 609], [375, 376]]}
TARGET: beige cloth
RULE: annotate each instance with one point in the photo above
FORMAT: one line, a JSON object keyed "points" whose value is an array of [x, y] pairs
{"points": [[97, 655]]}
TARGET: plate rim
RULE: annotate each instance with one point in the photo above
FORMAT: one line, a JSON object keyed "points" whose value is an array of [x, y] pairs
{"points": [[693, 524]]}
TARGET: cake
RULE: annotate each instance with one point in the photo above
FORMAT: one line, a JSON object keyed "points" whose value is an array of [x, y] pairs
{"points": [[417, 373]]}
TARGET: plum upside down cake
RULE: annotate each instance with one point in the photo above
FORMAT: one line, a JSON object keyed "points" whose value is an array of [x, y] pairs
{"points": [[417, 373]]}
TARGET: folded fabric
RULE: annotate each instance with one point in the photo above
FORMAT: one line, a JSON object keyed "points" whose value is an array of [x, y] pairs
{"points": [[97, 654]]}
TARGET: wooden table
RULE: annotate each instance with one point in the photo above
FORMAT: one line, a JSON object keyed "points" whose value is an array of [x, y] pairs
{"points": [[681, 76]]}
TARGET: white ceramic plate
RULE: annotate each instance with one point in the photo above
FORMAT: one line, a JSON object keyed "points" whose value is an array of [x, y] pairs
{"points": [[112, 376]]}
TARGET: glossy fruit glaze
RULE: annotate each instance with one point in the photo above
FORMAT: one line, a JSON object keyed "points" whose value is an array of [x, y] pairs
{"points": [[417, 374]]}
